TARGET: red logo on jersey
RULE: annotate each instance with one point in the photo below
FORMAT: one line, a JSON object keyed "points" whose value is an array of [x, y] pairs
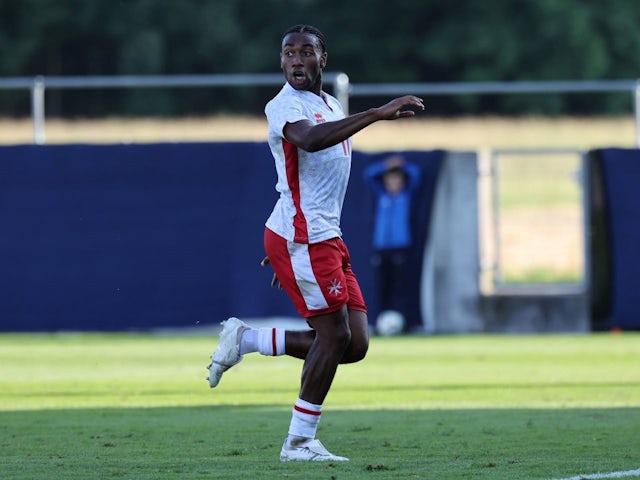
{"points": [[319, 118]]}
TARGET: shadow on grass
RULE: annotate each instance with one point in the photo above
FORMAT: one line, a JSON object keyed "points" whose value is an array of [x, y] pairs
{"points": [[240, 442]]}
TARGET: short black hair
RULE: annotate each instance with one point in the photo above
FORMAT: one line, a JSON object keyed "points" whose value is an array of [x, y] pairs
{"points": [[303, 28]]}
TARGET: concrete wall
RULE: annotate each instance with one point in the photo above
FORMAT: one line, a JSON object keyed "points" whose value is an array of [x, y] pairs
{"points": [[450, 284], [451, 300]]}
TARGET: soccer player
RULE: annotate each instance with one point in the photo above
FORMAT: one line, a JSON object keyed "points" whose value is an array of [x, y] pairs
{"points": [[310, 139]]}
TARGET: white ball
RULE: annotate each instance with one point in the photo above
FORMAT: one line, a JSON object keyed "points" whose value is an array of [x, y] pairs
{"points": [[389, 323]]}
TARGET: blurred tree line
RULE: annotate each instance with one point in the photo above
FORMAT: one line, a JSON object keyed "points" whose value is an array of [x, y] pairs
{"points": [[372, 41]]}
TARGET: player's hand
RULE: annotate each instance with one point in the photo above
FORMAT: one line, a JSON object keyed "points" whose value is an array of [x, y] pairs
{"points": [[401, 107], [274, 281]]}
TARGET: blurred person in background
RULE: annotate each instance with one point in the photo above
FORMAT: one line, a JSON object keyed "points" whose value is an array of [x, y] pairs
{"points": [[393, 181]]}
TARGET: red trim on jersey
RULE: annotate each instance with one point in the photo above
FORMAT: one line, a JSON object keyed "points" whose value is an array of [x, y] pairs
{"points": [[301, 234], [308, 412], [273, 342]]}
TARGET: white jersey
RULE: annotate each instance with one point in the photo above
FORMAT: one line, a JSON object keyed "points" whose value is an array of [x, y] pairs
{"points": [[312, 185]]}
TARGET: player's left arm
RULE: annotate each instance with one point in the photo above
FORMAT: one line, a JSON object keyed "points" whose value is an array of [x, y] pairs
{"points": [[314, 137]]}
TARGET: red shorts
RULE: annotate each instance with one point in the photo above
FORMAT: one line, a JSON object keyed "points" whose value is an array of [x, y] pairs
{"points": [[317, 277]]}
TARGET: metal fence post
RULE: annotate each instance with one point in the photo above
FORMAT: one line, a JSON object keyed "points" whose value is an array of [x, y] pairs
{"points": [[341, 89], [636, 109], [37, 110]]}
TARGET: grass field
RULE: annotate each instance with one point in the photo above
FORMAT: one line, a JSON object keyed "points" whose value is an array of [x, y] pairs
{"points": [[541, 228], [98, 406]]}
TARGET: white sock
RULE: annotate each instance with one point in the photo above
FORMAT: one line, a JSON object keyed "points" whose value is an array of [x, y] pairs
{"points": [[304, 419], [271, 341], [267, 341], [249, 341]]}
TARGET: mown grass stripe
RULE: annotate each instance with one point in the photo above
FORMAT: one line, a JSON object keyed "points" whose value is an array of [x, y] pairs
{"points": [[598, 476]]}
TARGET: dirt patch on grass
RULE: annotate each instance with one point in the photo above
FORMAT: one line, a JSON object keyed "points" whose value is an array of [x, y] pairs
{"points": [[539, 240]]}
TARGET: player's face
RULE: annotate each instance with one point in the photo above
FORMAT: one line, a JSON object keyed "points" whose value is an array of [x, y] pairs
{"points": [[302, 61]]}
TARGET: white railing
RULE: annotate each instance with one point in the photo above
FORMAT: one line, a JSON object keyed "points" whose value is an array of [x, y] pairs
{"points": [[503, 88], [342, 88], [38, 85]]}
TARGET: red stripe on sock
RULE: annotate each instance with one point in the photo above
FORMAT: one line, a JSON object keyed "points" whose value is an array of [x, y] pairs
{"points": [[273, 342], [308, 412]]}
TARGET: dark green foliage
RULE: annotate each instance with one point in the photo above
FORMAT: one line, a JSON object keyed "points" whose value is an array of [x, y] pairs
{"points": [[373, 41]]}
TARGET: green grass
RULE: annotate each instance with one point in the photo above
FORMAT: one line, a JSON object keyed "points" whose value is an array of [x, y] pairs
{"points": [[93, 406], [539, 181], [540, 276]]}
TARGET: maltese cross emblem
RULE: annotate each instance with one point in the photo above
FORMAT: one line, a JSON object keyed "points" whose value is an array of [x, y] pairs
{"points": [[335, 287]]}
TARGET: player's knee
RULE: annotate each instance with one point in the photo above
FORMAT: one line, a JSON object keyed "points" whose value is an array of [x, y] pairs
{"points": [[342, 336], [360, 351], [333, 331], [357, 351]]}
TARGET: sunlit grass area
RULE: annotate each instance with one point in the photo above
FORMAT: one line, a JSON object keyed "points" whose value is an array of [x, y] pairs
{"points": [[541, 222], [421, 133], [95, 406]]}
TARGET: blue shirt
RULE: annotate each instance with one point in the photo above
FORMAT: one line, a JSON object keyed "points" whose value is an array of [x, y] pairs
{"points": [[392, 222]]}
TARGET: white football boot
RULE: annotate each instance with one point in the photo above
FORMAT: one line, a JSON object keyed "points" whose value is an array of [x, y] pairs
{"points": [[309, 450], [227, 353]]}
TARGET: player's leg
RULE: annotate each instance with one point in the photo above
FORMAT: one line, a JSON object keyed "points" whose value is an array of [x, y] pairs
{"points": [[237, 338], [332, 338], [357, 309], [298, 343], [359, 343], [321, 362]]}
